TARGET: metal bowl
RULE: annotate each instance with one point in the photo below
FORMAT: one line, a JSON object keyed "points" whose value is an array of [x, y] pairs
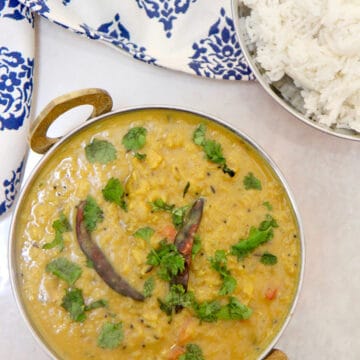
{"points": [[284, 91], [102, 104]]}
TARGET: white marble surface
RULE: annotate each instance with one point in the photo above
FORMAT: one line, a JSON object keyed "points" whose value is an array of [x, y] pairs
{"points": [[323, 172]]}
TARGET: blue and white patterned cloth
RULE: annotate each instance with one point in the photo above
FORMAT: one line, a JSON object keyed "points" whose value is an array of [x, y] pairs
{"points": [[194, 36]]}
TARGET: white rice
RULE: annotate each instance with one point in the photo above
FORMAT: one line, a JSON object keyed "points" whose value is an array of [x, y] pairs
{"points": [[317, 43]]}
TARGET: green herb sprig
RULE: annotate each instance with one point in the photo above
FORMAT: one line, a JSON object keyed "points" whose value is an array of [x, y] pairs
{"points": [[178, 214], [219, 264], [60, 226], [257, 236], [114, 192], [111, 335], [65, 270], [168, 259], [212, 149], [135, 140], [92, 214], [101, 151]]}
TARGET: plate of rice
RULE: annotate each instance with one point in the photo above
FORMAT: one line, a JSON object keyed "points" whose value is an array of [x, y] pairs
{"points": [[306, 55]]}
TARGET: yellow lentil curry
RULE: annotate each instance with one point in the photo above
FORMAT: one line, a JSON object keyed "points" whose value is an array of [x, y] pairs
{"points": [[136, 177]]}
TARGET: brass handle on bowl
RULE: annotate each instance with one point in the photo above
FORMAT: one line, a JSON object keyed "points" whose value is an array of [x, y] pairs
{"points": [[98, 98], [276, 354]]}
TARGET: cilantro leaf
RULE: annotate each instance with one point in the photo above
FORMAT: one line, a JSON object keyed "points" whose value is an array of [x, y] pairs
{"points": [[256, 237], [144, 233], [89, 263], [186, 188], [267, 205], [251, 182], [149, 286], [212, 149], [219, 264], [168, 259], [92, 214], [140, 156], [161, 205], [228, 286], [196, 246], [114, 192], [178, 215], [176, 297], [96, 305], [135, 138], [58, 241], [268, 259], [60, 226], [211, 311], [193, 352], [111, 335], [64, 269], [101, 151], [234, 310], [199, 134], [73, 302], [207, 311], [267, 223]]}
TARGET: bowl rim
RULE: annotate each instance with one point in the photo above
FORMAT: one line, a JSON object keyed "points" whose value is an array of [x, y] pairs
{"points": [[260, 78], [12, 264]]}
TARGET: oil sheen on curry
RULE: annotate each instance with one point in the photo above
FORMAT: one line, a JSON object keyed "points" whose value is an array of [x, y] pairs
{"points": [[156, 234]]}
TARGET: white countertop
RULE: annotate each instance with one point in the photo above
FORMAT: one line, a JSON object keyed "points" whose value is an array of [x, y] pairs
{"points": [[322, 171]]}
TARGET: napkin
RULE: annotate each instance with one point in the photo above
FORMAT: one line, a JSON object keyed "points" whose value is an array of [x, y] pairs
{"points": [[16, 84], [194, 36]]}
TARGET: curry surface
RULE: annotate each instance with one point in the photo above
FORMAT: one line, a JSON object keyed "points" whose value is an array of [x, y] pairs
{"points": [[230, 210]]}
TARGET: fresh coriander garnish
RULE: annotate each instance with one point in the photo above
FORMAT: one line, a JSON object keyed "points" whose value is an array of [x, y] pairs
{"points": [[101, 151], [219, 264], [161, 205], [268, 205], [196, 246], [140, 156], [234, 310], [251, 182], [211, 311], [268, 259], [193, 352], [178, 215], [256, 237], [89, 263], [186, 188], [96, 305], [60, 226], [111, 335], [73, 302], [176, 297], [168, 259], [92, 214], [149, 286], [207, 311], [199, 134], [135, 138], [114, 192], [65, 270], [212, 149], [144, 233]]}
